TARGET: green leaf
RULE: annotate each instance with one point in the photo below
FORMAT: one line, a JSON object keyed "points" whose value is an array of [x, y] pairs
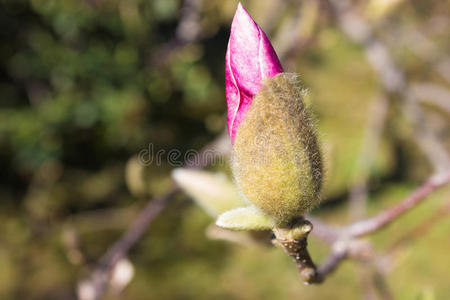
{"points": [[214, 192], [244, 218]]}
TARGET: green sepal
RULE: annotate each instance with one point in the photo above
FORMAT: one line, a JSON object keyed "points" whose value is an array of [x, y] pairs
{"points": [[214, 192], [244, 218]]}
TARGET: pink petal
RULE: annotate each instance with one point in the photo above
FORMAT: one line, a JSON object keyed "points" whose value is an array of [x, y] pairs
{"points": [[250, 58]]}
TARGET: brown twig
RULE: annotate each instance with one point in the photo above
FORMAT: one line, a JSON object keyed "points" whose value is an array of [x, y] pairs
{"points": [[384, 218], [137, 229], [337, 255], [420, 230], [98, 280], [294, 243]]}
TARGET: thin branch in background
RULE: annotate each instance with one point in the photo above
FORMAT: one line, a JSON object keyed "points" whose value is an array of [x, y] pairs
{"points": [[366, 284], [333, 234], [94, 220], [358, 193], [381, 285], [298, 32], [95, 286], [420, 44], [393, 80], [434, 150], [324, 232], [372, 283], [339, 254], [137, 229], [420, 230], [271, 15], [188, 28], [187, 31], [357, 208], [71, 242], [443, 68], [384, 218], [385, 262], [433, 94]]}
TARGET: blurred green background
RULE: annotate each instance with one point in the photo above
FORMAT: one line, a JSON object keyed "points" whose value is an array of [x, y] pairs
{"points": [[86, 85]]}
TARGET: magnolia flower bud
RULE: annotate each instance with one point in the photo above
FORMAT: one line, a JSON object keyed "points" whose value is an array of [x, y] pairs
{"points": [[276, 158]]}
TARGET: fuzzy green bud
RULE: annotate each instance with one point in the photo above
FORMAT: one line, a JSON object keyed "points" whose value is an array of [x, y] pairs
{"points": [[276, 158]]}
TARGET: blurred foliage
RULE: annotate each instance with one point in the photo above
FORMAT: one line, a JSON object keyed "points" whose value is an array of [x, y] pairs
{"points": [[86, 85]]}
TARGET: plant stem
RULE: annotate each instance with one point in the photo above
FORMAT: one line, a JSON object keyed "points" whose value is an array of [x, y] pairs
{"points": [[294, 242]]}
